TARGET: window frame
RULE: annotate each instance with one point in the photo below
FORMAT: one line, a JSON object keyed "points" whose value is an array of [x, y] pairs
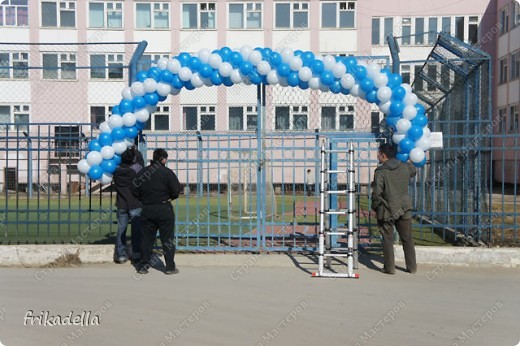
{"points": [[14, 111], [292, 12], [153, 13], [245, 11], [515, 65], [59, 14], [106, 11], [17, 9], [202, 110], [60, 62], [20, 71], [107, 66], [294, 110], [514, 115], [162, 111], [338, 14], [503, 70], [247, 112], [199, 10]]}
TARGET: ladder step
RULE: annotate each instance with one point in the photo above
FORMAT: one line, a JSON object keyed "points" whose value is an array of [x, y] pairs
{"points": [[336, 150], [336, 275], [335, 171], [335, 233], [336, 192], [336, 255], [336, 211]]}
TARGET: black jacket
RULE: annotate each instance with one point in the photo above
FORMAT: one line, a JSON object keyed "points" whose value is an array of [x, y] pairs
{"points": [[123, 180], [156, 184]]}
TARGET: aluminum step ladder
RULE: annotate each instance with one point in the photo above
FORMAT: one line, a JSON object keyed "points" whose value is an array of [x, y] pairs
{"points": [[326, 250]]}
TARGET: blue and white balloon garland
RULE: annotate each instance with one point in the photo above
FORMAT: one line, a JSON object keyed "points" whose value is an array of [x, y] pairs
{"points": [[339, 75]]}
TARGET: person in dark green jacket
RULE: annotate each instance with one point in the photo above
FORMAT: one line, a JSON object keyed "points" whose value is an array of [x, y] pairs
{"points": [[393, 206]]}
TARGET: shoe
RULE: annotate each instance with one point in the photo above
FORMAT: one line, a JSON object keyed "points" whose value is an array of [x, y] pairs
{"points": [[384, 271], [171, 271], [121, 259], [142, 270], [411, 271]]}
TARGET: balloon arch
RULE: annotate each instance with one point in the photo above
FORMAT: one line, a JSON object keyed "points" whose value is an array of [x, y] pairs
{"points": [[339, 75]]}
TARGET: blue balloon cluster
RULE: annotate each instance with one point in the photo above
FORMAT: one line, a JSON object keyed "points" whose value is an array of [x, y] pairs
{"points": [[294, 68]]}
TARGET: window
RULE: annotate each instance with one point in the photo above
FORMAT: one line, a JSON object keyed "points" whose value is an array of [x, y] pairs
{"points": [[339, 14], [459, 28], [405, 73], [293, 15], [300, 117], [14, 13], [98, 114], [389, 28], [418, 82], [159, 120], [14, 114], [446, 25], [245, 15], [432, 74], [515, 118], [282, 118], [291, 118], [59, 66], [67, 141], [346, 117], [376, 27], [419, 30], [200, 118], [516, 14], [106, 15], [14, 65], [146, 60], [502, 117], [375, 121], [59, 14], [502, 70], [515, 64], [337, 117], [504, 20], [406, 25], [238, 116], [103, 63], [473, 30], [432, 30], [199, 16], [152, 15]]}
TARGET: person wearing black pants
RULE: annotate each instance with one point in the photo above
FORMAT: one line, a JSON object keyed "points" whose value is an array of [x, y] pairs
{"points": [[156, 186]]}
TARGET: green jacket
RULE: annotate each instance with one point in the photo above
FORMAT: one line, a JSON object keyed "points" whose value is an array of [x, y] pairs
{"points": [[390, 199]]}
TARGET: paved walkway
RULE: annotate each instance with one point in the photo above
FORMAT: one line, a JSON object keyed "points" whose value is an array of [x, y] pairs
{"points": [[254, 301]]}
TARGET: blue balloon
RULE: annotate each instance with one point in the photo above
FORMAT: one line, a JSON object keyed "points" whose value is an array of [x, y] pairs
{"points": [[298, 53], [216, 78], [371, 96], [284, 69], [117, 159], [392, 121], [163, 98], [303, 85], [366, 85], [105, 139], [151, 98], [350, 63], [131, 132], [293, 79], [420, 121], [405, 145], [396, 108], [176, 82], [327, 78], [141, 76], [205, 71], [118, 133], [420, 164], [115, 110], [394, 80], [227, 81], [184, 58], [235, 59], [398, 93], [420, 109], [95, 172], [360, 72], [140, 125], [187, 85], [246, 67], [402, 156], [255, 77], [225, 53], [94, 145], [166, 76], [138, 102], [307, 58], [317, 67], [415, 132], [275, 59], [266, 53], [345, 91], [154, 72], [194, 64], [335, 87], [125, 106], [109, 166]]}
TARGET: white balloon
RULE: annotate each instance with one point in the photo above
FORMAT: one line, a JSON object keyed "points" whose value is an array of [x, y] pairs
{"points": [[142, 115], [355, 90], [107, 152], [245, 51], [215, 60], [385, 107], [162, 63], [263, 68], [403, 125], [362, 94], [295, 63], [423, 143], [305, 74], [329, 61], [225, 69], [283, 81], [106, 178], [407, 87], [372, 70], [114, 121], [175, 91], [129, 119], [174, 66], [163, 89], [137, 89], [287, 53], [129, 142], [104, 127], [272, 77], [384, 94], [417, 155], [380, 80], [409, 112], [236, 77], [195, 81], [426, 132], [324, 88], [94, 158], [151, 108], [83, 166], [150, 85], [204, 55], [185, 74], [410, 99], [119, 147], [339, 70], [126, 93], [396, 137], [255, 57], [318, 57], [348, 81], [314, 83]]}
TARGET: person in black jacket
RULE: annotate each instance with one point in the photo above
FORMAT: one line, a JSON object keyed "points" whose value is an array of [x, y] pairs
{"points": [[128, 208], [156, 186]]}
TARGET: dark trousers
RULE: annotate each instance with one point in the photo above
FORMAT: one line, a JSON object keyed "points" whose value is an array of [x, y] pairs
{"points": [[404, 228], [158, 217]]}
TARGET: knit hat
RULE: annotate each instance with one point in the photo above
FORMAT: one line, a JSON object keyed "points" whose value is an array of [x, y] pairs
{"points": [[128, 156]]}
